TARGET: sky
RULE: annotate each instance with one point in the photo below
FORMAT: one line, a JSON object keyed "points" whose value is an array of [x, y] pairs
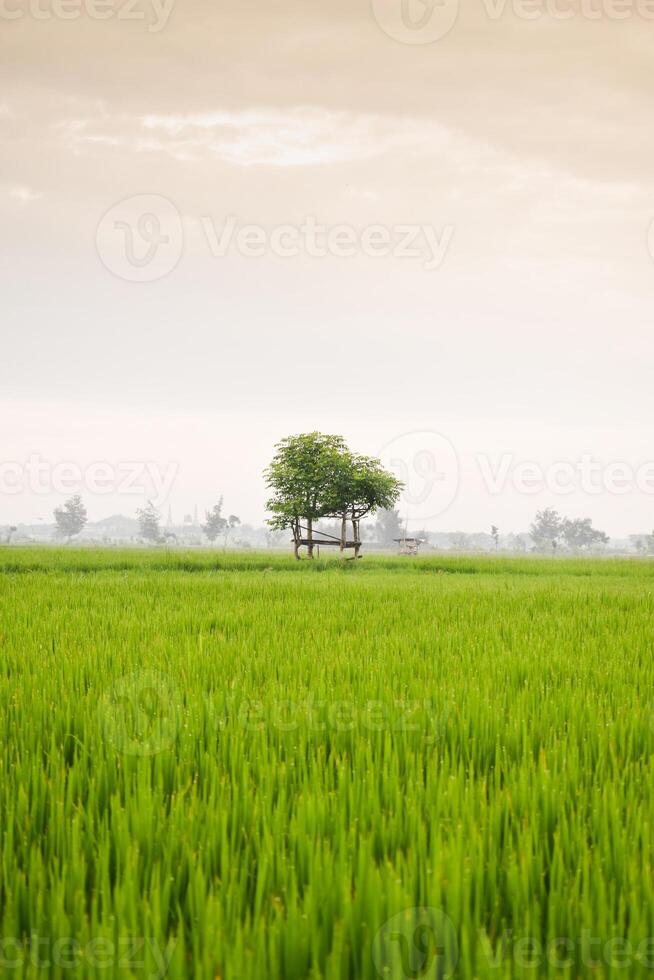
{"points": [[426, 226]]}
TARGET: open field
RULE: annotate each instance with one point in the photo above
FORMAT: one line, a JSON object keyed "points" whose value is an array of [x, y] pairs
{"points": [[239, 766]]}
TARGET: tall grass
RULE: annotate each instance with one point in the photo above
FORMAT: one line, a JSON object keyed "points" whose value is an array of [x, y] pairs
{"points": [[244, 767]]}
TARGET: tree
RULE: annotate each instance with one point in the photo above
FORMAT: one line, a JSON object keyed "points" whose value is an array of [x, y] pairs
{"points": [[644, 544], [215, 522], [314, 476], [149, 519], [495, 535], [579, 534], [388, 526], [71, 518], [302, 476], [546, 529], [362, 487], [231, 522]]}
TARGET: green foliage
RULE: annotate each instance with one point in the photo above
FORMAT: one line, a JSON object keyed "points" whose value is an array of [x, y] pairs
{"points": [[302, 476], [580, 534], [181, 760], [71, 518], [549, 528], [215, 523], [314, 475], [364, 486], [546, 529], [149, 520]]}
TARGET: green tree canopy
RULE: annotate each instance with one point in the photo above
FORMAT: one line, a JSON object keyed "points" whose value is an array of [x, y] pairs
{"points": [[579, 534], [546, 529], [71, 518], [215, 523], [313, 475], [304, 475], [363, 486], [149, 519]]}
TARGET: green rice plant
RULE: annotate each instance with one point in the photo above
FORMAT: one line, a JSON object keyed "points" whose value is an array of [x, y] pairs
{"points": [[240, 766]]}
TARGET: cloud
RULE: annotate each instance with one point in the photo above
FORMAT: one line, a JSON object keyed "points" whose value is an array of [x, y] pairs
{"points": [[297, 137], [19, 192]]}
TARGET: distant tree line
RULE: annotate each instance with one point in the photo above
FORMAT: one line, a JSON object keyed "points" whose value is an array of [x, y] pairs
{"points": [[319, 486], [71, 519], [549, 530], [215, 525]]}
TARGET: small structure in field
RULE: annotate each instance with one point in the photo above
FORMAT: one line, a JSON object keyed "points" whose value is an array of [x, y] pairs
{"points": [[310, 541], [408, 546]]}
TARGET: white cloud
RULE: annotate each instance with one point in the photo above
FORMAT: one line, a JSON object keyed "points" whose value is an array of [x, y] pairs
{"points": [[19, 192], [299, 137], [292, 138]]}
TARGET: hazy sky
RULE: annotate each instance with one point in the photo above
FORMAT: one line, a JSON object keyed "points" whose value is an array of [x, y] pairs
{"points": [[510, 157]]}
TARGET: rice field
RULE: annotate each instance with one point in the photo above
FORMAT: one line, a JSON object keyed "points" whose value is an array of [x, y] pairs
{"points": [[238, 766]]}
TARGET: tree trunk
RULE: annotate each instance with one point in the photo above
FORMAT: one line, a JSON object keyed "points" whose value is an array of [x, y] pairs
{"points": [[310, 537], [343, 533], [355, 533], [296, 540]]}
